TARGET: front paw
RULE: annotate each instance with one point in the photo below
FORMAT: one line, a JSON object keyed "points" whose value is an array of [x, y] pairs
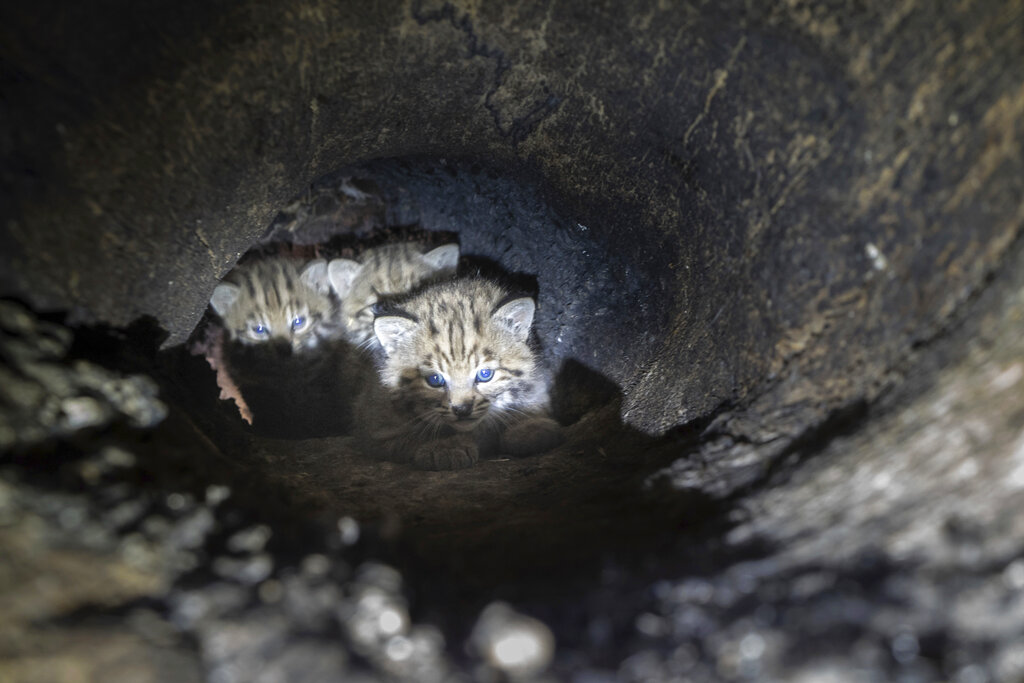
{"points": [[533, 435], [446, 455]]}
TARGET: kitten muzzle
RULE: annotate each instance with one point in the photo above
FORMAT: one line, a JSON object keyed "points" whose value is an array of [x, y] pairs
{"points": [[463, 411], [464, 417]]}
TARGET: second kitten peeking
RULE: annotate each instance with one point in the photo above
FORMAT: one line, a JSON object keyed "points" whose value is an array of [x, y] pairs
{"points": [[381, 272]]}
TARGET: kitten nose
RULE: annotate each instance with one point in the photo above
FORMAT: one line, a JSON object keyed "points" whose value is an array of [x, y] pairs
{"points": [[463, 410]]}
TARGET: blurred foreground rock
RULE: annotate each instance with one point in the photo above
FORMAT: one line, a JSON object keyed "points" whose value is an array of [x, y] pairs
{"points": [[891, 548], [887, 546]]}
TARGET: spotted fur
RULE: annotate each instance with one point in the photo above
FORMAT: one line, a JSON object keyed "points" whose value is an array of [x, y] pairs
{"points": [[458, 377], [381, 273], [278, 300]]}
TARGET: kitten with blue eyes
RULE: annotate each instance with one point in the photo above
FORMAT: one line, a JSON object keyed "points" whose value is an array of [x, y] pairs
{"points": [[284, 346], [289, 325], [458, 379], [280, 301]]}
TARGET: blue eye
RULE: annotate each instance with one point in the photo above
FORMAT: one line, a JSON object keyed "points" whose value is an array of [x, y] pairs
{"points": [[298, 322], [435, 380], [259, 329], [484, 375]]}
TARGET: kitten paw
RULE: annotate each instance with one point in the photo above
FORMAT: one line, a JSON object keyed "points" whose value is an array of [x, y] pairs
{"points": [[446, 455], [534, 435]]}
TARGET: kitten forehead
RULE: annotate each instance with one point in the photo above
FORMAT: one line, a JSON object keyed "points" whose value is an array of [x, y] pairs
{"points": [[393, 331], [475, 296], [461, 324]]}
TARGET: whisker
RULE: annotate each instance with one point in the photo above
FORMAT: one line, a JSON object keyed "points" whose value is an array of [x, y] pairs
{"points": [[366, 343]]}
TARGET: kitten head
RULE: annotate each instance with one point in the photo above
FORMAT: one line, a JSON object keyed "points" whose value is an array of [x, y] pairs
{"points": [[273, 300], [383, 272], [457, 354]]}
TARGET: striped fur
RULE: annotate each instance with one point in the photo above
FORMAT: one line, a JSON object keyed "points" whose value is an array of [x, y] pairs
{"points": [[278, 300], [452, 331], [381, 273]]}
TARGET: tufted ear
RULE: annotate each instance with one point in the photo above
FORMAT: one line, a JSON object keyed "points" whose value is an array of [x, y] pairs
{"points": [[342, 273], [444, 258], [314, 276], [224, 297], [392, 331], [516, 316]]}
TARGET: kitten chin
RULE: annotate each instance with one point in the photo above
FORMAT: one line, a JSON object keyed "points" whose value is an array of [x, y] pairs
{"points": [[453, 351], [463, 426]]}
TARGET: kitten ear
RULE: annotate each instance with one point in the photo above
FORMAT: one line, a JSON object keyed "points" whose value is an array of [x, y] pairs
{"points": [[392, 331], [516, 316], [342, 273], [314, 276], [443, 258], [224, 297]]}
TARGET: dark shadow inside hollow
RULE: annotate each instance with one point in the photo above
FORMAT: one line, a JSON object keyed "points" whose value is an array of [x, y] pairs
{"points": [[594, 300], [505, 521]]}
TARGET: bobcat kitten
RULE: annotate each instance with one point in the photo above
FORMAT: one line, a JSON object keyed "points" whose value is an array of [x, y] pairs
{"points": [[272, 300], [284, 347], [383, 272], [457, 378]]}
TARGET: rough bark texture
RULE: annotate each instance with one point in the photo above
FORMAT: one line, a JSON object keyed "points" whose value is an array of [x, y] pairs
{"points": [[781, 238]]}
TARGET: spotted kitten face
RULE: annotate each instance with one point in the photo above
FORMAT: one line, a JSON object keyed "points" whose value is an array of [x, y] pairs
{"points": [[273, 300], [381, 272], [457, 355]]}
